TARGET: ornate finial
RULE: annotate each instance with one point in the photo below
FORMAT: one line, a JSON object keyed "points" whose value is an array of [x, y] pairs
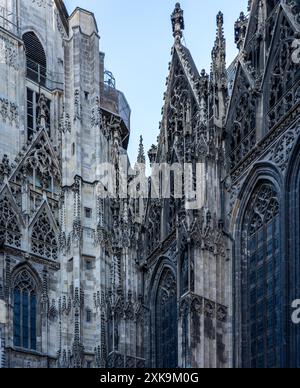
{"points": [[141, 156], [220, 20], [220, 39], [177, 22], [219, 72], [152, 154]]}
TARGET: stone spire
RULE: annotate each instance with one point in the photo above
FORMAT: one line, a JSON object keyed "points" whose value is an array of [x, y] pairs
{"points": [[219, 77], [177, 22], [141, 155], [219, 73]]}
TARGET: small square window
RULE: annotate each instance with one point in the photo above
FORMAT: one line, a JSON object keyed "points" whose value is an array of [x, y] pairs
{"points": [[89, 365], [88, 212]]}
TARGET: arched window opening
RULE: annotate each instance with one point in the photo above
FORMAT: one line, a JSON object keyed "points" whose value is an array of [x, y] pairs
{"points": [[261, 282], [25, 311], [36, 62], [166, 322]]}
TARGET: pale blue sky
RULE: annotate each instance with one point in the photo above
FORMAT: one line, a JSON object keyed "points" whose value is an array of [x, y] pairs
{"points": [[136, 36]]}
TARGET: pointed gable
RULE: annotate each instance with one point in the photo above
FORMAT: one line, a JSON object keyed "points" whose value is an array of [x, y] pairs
{"points": [[267, 80], [241, 121], [282, 74], [40, 164], [44, 233], [11, 222]]}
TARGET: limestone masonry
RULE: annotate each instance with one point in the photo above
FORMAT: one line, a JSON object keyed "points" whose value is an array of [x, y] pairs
{"points": [[95, 281]]}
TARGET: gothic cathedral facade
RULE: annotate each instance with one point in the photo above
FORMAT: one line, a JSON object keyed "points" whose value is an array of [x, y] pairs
{"points": [[89, 280]]}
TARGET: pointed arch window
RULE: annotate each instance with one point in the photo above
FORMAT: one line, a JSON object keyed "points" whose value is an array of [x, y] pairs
{"points": [[166, 322], [261, 281], [43, 240], [25, 311], [35, 58], [10, 231]]}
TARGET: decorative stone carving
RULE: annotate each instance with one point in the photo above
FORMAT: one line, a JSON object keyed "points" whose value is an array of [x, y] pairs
{"points": [[65, 123], [60, 26], [96, 115], [9, 112], [8, 52], [222, 313], [10, 232], [209, 308], [77, 105], [40, 161], [5, 167], [42, 3], [282, 150], [44, 239]]}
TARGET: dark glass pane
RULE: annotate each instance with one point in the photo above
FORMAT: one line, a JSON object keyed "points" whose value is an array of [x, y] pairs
{"points": [[253, 244], [260, 256], [25, 319], [263, 316], [30, 122], [253, 350], [30, 95], [271, 359], [270, 248], [33, 321], [270, 231], [253, 277], [166, 328], [17, 318], [29, 109], [261, 238], [260, 362]]}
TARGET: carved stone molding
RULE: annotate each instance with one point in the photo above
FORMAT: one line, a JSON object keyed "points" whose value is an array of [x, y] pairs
{"points": [[9, 112], [284, 147], [264, 145], [8, 52], [42, 3]]}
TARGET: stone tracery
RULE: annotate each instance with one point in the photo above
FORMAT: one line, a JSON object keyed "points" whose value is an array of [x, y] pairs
{"points": [[44, 239], [10, 232]]}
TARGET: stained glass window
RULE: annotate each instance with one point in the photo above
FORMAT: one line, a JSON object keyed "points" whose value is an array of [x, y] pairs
{"points": [[166, 322], [261, 282], [25, 311]]}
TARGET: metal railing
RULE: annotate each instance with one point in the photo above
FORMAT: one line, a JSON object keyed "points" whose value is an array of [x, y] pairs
{"points": [[114, 100], [39, 74]]}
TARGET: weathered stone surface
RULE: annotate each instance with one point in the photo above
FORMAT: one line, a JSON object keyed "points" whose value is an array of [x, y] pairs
{"points": [[134, 282]]}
